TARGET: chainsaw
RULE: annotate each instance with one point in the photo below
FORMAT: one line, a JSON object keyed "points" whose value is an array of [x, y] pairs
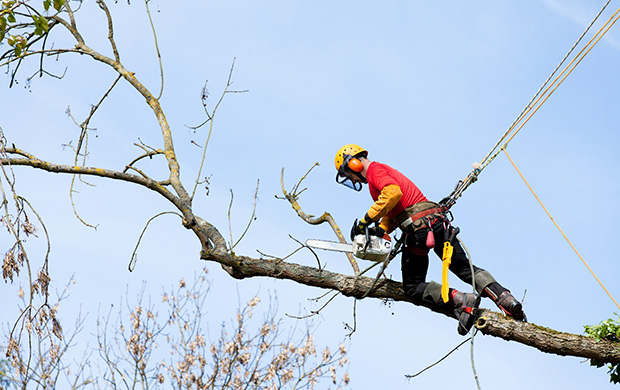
{"points": [[364, 246]]}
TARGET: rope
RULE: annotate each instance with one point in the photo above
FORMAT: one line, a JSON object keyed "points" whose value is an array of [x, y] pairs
{"points": [[556, 225], [473, 330], [580, 56], [529, 104], [473, 176]]}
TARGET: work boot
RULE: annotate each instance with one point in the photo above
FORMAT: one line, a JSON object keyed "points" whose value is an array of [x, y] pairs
{"points": [[464, 306], [507, 303]]}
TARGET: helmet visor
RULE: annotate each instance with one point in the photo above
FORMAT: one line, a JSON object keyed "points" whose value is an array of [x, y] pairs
{"points": [[348, 182], [347, 177]]}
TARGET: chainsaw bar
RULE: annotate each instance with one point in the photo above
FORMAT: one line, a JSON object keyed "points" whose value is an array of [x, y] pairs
{"points": [[330, 245], [372, 248]]}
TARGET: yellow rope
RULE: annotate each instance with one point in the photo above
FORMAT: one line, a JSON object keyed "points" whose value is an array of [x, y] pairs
{"points": [[536, 102], [552, 87], [578, 58], [556, 225]]}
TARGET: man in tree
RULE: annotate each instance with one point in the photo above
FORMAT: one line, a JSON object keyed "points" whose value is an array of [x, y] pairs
{"points": [[399, 203]]}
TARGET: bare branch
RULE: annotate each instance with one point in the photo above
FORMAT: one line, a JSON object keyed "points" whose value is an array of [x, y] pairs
{"points": [[134, 255], [161, 67], [326, 217], [105, 9], [207, 233], [210, 117], [252, 218]]}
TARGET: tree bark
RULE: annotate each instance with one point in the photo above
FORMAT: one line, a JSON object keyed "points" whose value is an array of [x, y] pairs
{"points": [[488, 322]]}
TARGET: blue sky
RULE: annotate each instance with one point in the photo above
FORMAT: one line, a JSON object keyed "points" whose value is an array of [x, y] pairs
{"points": [[427, 88]]}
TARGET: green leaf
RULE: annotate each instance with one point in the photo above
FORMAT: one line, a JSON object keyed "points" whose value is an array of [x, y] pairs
{"points": [[47, 4], [12, 40], [18, 51], [12, 18], [2, 33], [44, 25], [58, 4], [40, 24]]}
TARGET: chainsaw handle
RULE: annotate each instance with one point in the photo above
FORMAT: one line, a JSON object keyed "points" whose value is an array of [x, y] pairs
{"points": [[367, 234]]}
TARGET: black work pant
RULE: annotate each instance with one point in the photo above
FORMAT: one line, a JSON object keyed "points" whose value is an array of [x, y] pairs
{"points": [[415, 265]]}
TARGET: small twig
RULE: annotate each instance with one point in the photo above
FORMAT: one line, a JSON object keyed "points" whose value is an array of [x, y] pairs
{"points": [[318, 261], [77, 215], [294, 192], [302, 246], [105, 9], [210, 117], [440, 360], [161, 67], [148, 154], [134, 256], [320, 297], [137, 170], [252, 217], [315, 312], [263, 254], [94, 109], [232, 197], [347, 326], [83, 142], [49, 74]]}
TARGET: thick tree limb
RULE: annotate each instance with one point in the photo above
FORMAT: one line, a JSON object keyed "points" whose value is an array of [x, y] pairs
{"points": [[548, 340], [490, 323], [206, 233]]}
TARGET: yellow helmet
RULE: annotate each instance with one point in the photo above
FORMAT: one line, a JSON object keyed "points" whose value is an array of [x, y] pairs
{"points": [[350, 149], [349, 167]]}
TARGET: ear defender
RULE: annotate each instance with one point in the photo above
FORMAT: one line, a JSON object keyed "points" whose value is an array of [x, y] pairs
{"points": [[356, 165]]}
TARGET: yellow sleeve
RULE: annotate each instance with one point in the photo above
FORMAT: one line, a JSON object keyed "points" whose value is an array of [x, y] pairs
{"points": [[390, 195], [388, 224]]}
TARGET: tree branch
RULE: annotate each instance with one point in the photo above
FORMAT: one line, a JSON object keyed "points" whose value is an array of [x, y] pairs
{"points": [[490, 323], [326, 217], [207, 234]]}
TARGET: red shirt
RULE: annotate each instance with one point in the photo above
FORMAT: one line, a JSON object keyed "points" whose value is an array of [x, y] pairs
{"points": [[381, 175]]}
